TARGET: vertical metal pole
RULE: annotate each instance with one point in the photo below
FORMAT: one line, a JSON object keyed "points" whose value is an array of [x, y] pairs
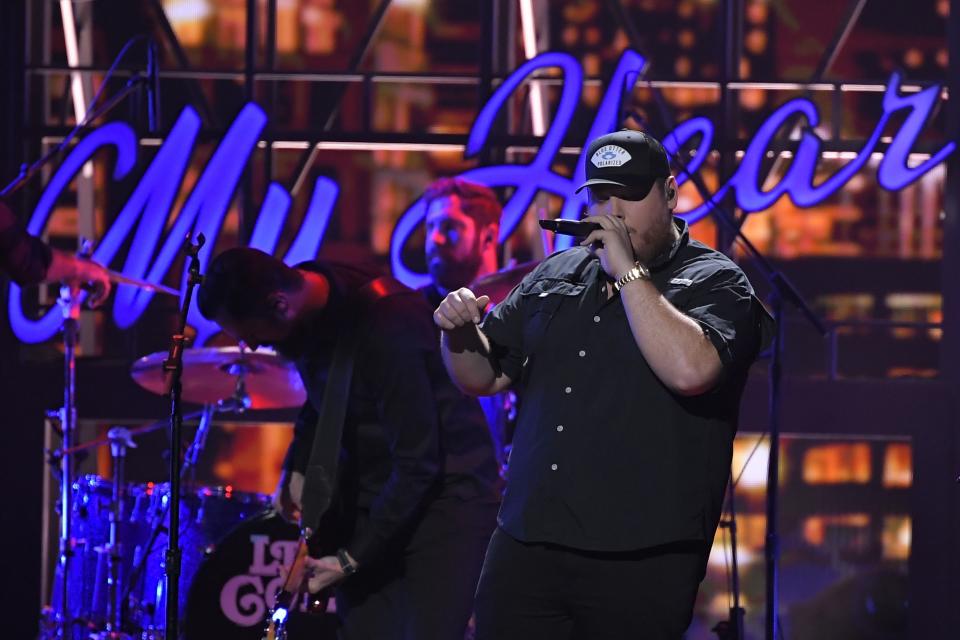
{"points": [[732, 49], [247, 214], [950, 343], [271, 67], [68, 421], [772, 548], [736, 612], [487, 49], [119, 441]]}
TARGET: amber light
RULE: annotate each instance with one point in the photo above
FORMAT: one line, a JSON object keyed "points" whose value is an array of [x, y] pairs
{"points": [[837, 464]]}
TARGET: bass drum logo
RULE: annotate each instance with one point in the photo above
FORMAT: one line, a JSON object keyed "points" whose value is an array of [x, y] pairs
{"points": [[236, 584]]}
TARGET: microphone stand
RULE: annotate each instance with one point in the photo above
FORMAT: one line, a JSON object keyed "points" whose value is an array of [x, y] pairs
{"points": [[28, 171], [173, 368]]}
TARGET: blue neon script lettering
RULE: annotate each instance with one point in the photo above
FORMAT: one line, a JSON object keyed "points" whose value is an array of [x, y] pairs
{"points": [[204, 211], [527, 179], [207, 203]]}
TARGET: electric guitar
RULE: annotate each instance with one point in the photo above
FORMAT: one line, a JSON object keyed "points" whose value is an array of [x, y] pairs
{"points": [[290, 595]]}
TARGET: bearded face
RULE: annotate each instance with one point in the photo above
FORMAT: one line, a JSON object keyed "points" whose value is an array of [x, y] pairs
{"points": [[454, 244]]}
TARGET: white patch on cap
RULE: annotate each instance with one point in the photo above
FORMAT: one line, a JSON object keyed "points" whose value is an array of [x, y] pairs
{"points": [[610, 155]]}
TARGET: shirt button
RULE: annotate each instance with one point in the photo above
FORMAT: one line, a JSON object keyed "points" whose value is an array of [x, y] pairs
{"points": [[568, 390], [559, 427], [596, 318], [582, 353], [554, 467]]}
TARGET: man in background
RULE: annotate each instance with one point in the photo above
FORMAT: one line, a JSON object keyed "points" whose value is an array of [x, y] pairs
{"points": [[462, 238], [414, 495]]}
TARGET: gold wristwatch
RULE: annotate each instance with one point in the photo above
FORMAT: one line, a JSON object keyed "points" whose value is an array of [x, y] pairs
{"points": [[636, 273]]}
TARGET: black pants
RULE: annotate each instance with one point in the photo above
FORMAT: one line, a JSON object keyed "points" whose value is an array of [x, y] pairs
{"points": [[537, 591], [424, 591]]}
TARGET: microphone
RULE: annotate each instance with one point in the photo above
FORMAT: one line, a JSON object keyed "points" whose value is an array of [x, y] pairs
{"points": [[153, 88], [569, 227]]}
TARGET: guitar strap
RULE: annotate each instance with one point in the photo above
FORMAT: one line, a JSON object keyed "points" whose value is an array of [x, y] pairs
{"points": [[321, 473]]}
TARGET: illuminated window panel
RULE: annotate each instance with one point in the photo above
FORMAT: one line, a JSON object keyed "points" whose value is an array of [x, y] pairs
{"points": [[915, 307], [897, 466], [896, 537], [837, 464], [817, 529]]}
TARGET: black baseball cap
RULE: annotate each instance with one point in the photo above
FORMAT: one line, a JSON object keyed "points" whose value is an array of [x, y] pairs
{"points": [[625, 158]]}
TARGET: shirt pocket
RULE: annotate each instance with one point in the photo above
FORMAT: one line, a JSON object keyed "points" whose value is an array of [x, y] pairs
{"points": [[677, 291], [542, 299]]}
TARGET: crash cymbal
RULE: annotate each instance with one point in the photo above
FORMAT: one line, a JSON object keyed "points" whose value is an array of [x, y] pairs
{"points": [[213, 374], [499, 283]]}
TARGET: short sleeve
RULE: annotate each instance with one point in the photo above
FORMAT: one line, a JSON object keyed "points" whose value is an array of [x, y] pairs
{"points": [[731, 316], [503, 326]]}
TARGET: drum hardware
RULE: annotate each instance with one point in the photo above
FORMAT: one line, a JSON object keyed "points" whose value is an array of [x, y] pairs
{"points": [[158, 525], [109, 531], [260, 379], [120, 441], [173, 375], [69, 302]]}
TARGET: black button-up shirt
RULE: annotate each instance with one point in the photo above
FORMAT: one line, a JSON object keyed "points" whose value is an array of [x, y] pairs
{"points": [[404, 442], [605, 457]]}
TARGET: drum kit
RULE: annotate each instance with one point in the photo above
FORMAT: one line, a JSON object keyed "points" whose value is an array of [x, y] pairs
{"points": [[110, 581]]}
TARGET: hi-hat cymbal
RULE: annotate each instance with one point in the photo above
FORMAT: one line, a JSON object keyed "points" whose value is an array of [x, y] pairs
{"points": [[499, 283], [212, 374]]}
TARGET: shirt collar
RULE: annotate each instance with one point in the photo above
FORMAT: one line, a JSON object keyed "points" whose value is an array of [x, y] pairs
{"points": [[683, 237]]}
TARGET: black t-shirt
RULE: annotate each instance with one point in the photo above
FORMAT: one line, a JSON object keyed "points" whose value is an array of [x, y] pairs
{"points": [[403, 442], [605, 457]]}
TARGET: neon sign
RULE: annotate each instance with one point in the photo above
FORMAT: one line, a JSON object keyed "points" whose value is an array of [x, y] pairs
{"points": [[149, 207]]}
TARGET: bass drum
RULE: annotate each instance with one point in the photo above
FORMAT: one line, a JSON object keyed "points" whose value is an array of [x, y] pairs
{"points": [[233, 590], [207, 515]]}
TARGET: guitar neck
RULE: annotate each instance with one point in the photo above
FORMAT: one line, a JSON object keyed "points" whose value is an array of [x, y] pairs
{"points": [[296, 577]]}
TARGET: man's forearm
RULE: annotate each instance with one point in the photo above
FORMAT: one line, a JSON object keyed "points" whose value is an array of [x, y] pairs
{"points": [[465, 352], [674, 345]]}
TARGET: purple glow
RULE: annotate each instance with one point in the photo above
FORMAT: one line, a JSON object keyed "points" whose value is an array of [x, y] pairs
{"points": [[145, 215]]}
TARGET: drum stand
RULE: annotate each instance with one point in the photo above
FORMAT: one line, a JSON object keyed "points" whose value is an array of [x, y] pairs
{"points": [[120, 441], [70, 306]]}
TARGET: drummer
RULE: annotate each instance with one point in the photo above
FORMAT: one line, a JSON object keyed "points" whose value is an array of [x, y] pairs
{"points": [[462, 237]]}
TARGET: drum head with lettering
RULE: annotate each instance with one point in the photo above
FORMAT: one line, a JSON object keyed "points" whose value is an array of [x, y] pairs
{"points": [[234, 588]]}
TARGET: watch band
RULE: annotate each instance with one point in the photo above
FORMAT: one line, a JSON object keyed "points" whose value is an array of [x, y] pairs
{"points": [[346, 566], [636, 273]]}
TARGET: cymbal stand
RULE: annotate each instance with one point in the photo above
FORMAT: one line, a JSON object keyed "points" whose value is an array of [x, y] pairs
{"points": [[120, 441], [173, 367], [70, 306]]}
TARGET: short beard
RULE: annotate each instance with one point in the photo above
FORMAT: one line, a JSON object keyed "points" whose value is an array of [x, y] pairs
{"points": [[657, 241], [451, 274]]}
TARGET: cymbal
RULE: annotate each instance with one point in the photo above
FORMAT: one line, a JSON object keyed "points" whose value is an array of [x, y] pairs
{"points": [[119, 278], [499, 283], [212, 374]]}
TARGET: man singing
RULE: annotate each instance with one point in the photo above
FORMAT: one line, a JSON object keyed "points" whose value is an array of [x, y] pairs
{"points": [[415, 498], [630, 353]]}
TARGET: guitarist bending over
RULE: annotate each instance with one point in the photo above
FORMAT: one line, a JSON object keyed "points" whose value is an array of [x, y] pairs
{"points": [[409, 496]]}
